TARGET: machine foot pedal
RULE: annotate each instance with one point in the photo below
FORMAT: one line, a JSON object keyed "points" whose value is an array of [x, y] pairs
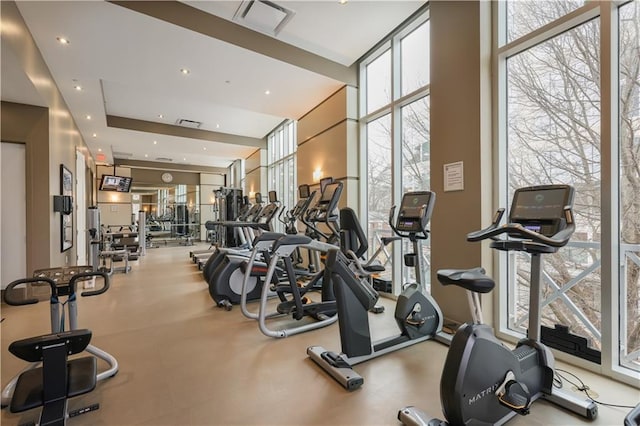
{"points": [[377, 309], [514, 395]]}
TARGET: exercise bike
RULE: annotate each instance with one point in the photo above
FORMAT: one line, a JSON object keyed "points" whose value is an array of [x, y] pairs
{"points": [[417, 314], [25, 390], [483, 381]]}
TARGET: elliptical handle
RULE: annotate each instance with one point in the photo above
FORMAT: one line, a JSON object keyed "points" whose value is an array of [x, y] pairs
{"points": [[392, 214], [9, 300], [73, 281]]}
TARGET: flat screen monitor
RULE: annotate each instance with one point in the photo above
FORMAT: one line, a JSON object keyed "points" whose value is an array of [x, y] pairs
{"points": [[324, 182], [115, 183], [328, 192], [303, 192], [540, 204], [273, 197]]}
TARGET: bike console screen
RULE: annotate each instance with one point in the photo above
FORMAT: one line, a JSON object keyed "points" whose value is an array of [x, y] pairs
{"points": [[412, 209], [541, 209]]}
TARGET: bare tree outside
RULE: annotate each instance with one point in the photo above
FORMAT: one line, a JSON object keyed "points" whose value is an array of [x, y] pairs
{"points": [[554, 110]]}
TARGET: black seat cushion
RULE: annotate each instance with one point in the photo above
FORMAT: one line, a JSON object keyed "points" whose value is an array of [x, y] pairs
{"points": [[29, 393], [471, 279]]}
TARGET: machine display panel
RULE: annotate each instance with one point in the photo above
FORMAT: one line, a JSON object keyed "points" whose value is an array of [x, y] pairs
{"points": [[303, 192], [412, 204], [543, 204], [327, 194]]}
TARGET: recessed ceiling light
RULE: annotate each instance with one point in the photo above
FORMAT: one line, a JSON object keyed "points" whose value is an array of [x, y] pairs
{"points": [[88, 117], [95, 135], [217, 126], [205, 148], [77, 87], [184, 71], [146, 155], [184, 159], [62, 40], [99, 149], [160, 116], [342, 1], [155, 142], [267, 92]]}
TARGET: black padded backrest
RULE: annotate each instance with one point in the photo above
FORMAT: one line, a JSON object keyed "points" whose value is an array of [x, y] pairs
{"points": [[31, 349], [352, 236]]}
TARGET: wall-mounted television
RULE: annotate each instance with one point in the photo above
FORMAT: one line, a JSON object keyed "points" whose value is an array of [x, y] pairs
{"points": [[273, 197], [115, 183]]}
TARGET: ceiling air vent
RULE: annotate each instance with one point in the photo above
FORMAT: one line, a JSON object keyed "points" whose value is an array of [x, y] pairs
{"points": [[189, 123], [164, 159], [263, 15], [120, 154]]}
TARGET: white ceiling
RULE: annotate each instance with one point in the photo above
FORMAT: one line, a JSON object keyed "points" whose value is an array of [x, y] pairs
{"points": [[128, 64]]}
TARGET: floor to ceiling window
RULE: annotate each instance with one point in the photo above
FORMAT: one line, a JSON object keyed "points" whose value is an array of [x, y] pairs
{"points": [[281, 167], [395, 134], [554, 109], [629, 203]]}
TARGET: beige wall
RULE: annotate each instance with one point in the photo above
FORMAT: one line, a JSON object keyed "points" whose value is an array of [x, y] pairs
{"points": [[255, 169], [30, 125], [154, 177], [63, 141], [460, 131], [328, 142]]}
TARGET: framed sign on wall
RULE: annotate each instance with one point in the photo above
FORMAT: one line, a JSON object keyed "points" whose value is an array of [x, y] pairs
{"points": [[66, 218]]}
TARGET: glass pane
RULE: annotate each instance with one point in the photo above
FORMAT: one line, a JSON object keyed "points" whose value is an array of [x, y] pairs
{"points": [[414, 50], [553, 132], [379, 82], [528, 15], [271, 149], [415, 172], [292, 137], [281, 144], [379, 163], [629, 90]]}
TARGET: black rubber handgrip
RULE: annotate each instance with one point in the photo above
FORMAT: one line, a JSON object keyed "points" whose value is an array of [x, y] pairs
{"points": [[75, 278], [9, 300]]}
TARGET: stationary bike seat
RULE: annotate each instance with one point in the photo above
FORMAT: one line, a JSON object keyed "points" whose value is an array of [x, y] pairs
{"points": [[473, 279]]}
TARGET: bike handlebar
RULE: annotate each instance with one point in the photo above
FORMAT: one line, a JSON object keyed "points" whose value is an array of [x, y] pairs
{"points": [[75, 278], [8, 293], [559, 239]]}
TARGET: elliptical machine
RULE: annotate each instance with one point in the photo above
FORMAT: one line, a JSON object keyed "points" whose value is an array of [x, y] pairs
{"points": [[483, 381], [417, 314]]}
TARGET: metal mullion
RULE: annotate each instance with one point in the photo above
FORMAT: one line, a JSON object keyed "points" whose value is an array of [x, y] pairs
{"points": [[396, 157], [609, 188]]}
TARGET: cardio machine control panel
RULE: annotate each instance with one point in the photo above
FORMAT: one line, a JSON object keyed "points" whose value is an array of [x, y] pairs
{"points": [[415, 211], [542, 209]]}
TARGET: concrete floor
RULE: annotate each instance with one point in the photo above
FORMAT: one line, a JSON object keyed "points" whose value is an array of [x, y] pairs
{"points": [[184, 361]]}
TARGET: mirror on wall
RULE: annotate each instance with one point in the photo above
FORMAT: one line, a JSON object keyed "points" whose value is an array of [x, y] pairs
{"points": [[172, 211]]}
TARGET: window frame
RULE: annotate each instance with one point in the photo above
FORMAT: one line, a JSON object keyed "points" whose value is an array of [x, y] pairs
{"points": [[609, 243], [394, 108]]}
